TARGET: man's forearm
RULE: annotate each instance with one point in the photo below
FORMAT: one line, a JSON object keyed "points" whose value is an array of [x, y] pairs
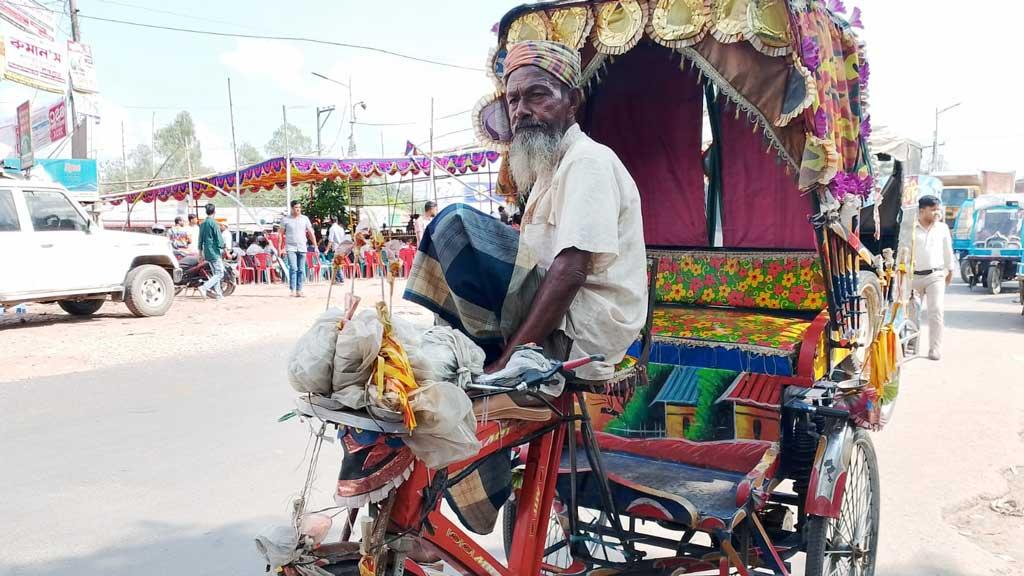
{"points": [[563, 280]]}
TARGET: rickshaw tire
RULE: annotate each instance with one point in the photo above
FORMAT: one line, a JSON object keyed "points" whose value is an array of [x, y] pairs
{"points": [[508, 523], [816, 527], [965, 272], [995, 280]]}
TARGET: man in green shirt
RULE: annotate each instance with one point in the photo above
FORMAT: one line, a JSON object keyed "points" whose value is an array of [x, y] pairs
{"points": [[211, 245]]}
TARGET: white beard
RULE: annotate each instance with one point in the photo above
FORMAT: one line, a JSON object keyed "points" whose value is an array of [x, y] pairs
{"points": [[533, 153]]}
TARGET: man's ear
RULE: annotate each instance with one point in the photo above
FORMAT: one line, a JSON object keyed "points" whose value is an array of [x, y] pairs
{"points": [[575, 100]]}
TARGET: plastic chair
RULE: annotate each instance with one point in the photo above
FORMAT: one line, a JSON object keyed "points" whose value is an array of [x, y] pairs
{"points": [[246, 270], [264, 267], [312, 267], [407, 255], [349, 267]]}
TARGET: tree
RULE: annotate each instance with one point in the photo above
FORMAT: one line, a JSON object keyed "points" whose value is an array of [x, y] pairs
{"points": [[248, 154], [298, 143], [330, 198], [140, 171], [174, 144]]}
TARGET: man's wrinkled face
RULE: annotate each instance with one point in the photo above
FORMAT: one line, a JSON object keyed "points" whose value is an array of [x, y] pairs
{"points": [[537, 100], [541, 108]]}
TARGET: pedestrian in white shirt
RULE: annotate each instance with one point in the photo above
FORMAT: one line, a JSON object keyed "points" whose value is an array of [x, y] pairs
{"points": [[933, 268], [298, 230], [193, 233], [338, 242]]}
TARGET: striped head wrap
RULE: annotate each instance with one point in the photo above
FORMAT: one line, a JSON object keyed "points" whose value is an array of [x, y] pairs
{"points": [[558, 59]]}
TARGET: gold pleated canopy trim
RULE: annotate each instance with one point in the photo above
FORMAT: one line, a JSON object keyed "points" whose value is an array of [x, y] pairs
{"points": [[619, 25]]}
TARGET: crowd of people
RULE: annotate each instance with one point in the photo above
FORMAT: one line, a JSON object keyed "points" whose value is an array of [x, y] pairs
{"points": [[298, 243]]}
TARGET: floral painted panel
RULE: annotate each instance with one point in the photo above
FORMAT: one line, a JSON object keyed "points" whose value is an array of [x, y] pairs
{"points": [[780, 281], [729, 327]]}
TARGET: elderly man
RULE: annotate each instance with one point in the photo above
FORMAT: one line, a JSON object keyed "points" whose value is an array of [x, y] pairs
{"points": [[574, 279]]}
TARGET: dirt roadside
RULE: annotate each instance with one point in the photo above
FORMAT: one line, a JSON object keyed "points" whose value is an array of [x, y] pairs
{"points": [[46, 341]]}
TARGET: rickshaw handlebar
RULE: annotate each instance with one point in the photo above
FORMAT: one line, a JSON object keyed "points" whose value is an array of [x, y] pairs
{"points": [[800, 406]]}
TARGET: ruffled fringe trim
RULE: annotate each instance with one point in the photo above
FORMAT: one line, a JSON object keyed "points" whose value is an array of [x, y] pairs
{"points": [[695, 343], [809, 86], [375, 496], [678, 43], [603, 48], [755, 115], [483, 138]]}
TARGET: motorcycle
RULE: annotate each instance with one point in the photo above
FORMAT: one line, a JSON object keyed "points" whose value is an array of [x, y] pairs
{"points": [[195, 274]]}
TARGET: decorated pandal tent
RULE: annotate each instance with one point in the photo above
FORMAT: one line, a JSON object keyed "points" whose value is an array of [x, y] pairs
{"points": [[272, 174]]}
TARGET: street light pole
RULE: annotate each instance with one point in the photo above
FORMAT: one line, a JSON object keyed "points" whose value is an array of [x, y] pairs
{"points": [[352, 111], [320, 125], [935, 135]]}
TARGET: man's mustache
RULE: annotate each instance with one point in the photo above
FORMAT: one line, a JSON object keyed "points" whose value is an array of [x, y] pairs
{"points": [[531, 125]]}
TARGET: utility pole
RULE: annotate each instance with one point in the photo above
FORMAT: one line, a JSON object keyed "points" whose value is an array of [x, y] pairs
{"points": [[433, 168], [320, 125], [79, 129], [935, 137], [124, 159], [234, 151]]}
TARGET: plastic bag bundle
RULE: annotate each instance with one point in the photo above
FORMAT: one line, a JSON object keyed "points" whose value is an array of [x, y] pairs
{"points": [[393, 380], [452, 355], [446, 427], [311, 362], [356, 351]]}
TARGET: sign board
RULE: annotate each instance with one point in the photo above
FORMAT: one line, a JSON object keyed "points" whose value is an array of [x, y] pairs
{"points": [[79, 176], [35, 61], [80, 64], [30, 16], [24, 135], [49, 125]]}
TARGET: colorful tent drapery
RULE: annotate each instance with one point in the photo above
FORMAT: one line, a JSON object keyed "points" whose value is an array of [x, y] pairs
{"points": [[270, 174]]}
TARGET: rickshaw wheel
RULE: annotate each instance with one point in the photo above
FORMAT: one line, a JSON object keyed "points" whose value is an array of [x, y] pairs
{"points": [[995, 279], [848, 545], [559, 555], [871, 315], [965, 271]]}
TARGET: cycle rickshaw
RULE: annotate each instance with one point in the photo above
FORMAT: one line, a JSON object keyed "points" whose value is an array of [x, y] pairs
{"points": [[735, 436]]}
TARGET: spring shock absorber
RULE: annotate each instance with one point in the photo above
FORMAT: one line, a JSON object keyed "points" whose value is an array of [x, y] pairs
{"points": [[800, 442]]}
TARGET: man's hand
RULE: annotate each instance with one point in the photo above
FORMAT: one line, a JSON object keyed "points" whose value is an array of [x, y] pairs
{"points": [[949, 277], [500, 363]]}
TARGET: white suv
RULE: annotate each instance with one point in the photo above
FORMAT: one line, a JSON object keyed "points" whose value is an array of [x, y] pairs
{"points": [[51, 251]]}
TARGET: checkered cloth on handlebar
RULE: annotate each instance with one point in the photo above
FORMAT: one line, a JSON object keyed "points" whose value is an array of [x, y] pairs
{"points": [[470, 272]]}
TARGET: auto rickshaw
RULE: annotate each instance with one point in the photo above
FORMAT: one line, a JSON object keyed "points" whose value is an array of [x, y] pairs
{"points": [[996, 248]]}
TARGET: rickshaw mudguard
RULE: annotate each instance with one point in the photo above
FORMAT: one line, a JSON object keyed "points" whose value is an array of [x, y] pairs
{"points": [[829, 472]]}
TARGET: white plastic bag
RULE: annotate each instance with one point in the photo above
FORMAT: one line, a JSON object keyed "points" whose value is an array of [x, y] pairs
{"points": [[411, 339], [356, 351], [311, 361], [452, 355], [445, 425]]}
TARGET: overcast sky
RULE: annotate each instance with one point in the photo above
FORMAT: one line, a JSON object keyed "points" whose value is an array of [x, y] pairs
{"points": [[923, 55]]}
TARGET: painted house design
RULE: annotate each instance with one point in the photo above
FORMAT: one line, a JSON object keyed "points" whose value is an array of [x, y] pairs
{"points": [[755, 399], [679, 395]]}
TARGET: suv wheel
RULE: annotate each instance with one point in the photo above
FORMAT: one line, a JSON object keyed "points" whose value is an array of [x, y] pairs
{"points": [[80, 307], [148, 291]]}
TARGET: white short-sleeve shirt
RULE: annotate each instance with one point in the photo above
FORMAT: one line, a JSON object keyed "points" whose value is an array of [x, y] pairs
{"points": [[591, 203]]}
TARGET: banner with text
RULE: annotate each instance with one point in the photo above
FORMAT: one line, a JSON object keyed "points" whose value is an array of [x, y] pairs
{"points": [[35, 61], [24, 134], [83, 72]]}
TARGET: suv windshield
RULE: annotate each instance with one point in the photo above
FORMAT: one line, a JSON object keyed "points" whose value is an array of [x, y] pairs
{"points": [[53, 212]]}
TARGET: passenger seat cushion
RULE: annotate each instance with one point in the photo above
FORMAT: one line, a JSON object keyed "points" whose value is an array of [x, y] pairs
{"points": [[739, 456], [740, 328], [765, 280]]}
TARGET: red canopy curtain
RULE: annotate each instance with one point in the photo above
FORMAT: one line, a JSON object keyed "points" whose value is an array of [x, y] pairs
{"points": [[649, 112], [761, 205]]}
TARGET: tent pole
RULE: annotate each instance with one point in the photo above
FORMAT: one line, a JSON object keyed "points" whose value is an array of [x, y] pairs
{"points": [[287, 160], [234, 151]]}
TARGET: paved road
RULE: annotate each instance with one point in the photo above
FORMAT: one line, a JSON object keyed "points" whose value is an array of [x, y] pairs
{"points": [[171, 467]]}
